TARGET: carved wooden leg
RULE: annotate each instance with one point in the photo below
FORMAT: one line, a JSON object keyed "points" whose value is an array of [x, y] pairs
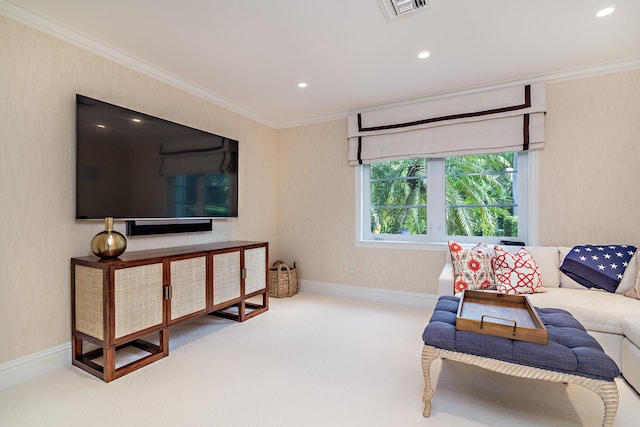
{"points": [[609, 395], [428, 356], [608, 392]]}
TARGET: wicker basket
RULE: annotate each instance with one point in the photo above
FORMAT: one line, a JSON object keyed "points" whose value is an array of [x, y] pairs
{"points": [[283, 281]]}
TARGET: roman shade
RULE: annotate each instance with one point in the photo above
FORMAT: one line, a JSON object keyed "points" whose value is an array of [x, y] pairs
{"points": [[491, 121], [194, 157]]}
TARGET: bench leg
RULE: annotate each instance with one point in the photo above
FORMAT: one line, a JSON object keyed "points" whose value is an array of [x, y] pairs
{"points": [[428, 356], [609, 395], [607, 390]]}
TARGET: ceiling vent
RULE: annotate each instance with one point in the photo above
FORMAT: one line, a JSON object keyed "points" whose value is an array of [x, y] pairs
{"points": [[393, 9]]}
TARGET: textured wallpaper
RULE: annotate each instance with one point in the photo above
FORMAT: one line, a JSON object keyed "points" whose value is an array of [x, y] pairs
{"points": [[588, 172], [39, 78], [296, 188]]}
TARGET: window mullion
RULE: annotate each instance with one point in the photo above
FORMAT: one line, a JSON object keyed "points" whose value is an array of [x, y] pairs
{"points": [[526, 190], [365, 202], [436, 202]]}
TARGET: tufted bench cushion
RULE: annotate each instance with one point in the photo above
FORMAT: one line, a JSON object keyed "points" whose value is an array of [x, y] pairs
{"points": [[570, 349]]}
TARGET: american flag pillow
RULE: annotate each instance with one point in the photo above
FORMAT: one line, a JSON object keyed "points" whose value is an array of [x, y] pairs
{"points": [[599, 267]]}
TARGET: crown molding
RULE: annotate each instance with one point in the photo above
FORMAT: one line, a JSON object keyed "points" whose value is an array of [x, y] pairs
{"points": [[554, 77], [71, 36], [60, 31], [593, 70]]}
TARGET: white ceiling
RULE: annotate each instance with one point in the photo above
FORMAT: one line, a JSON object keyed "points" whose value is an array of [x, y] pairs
{"points": [[250, 55]]}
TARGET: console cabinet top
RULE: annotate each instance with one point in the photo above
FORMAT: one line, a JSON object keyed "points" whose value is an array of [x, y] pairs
{"points": [[172, 251]]}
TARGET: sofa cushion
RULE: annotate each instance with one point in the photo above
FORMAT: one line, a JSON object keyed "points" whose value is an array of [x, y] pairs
{"points": [[631, 363], [548, 259], [597, 310], [516, 274], [631, 329], [634, 292], [471, 268]]}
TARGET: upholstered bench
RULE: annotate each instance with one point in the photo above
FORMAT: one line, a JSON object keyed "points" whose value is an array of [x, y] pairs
{"points": [[571, 355]]}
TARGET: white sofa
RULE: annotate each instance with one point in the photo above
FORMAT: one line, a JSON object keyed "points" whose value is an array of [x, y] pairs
{"points": [[605, 315]]}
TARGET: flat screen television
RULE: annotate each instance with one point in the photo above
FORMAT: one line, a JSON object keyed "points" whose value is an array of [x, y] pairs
{"points": [[134, 166]]}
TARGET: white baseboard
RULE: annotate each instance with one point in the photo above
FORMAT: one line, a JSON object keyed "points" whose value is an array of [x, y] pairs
{"points": [[37, 364], [34, 365], [388, 296]]}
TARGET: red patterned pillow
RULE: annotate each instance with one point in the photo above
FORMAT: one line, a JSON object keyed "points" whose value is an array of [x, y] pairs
{"points": [[516, 273], [471, 268], [483, 248]]}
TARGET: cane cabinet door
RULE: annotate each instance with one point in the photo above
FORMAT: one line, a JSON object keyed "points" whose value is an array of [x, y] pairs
{"points": [[187, 284], [226, 277], [255, 261], [138, 298]]}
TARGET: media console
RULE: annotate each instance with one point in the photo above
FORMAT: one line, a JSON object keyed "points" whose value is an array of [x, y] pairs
{"points": [[118, 303]]}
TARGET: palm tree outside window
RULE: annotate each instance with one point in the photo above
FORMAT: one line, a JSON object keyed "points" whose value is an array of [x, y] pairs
{"points": [[479, 196]]}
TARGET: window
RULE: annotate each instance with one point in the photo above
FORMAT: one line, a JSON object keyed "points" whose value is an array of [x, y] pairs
{"points": [[205, 195], [466, 198], [398, 197]]}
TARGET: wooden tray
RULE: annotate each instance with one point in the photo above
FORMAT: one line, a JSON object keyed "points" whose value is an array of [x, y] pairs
{"points": [[501, 315]]}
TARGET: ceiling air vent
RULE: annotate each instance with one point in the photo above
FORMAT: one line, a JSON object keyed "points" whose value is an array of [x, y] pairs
{"points": [[393, 9]]}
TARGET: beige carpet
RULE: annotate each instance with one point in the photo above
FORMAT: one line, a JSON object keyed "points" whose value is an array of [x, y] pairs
{"points": [[310, 361]]}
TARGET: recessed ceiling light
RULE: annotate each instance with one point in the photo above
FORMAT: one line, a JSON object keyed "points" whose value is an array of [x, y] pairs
{"points": [[136, 120], [101, 126], [424, 55], [302, 85], [605, 12]]}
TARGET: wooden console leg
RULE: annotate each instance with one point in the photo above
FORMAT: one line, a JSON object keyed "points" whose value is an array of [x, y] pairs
{"points": [[428, 356], [109, 363], [76, 343], [164, 341]]}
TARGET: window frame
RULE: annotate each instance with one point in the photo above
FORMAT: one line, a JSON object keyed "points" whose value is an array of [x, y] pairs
{"points": [[435, 237]]}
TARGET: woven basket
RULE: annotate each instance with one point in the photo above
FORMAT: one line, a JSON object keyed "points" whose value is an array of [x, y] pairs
{"points": [[283, 281]]}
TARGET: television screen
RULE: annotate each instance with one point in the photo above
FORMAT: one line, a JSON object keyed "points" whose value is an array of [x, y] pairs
{"points": [[134, 166]]}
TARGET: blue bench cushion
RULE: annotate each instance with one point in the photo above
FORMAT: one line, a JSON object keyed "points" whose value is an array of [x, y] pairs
{"points": [[570, 348]]}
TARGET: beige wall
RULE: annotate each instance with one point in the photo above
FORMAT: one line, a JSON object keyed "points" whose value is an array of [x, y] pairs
{"points": [[316, 218], [296, 189], [589, 167], [588, 171], [39, 77]]}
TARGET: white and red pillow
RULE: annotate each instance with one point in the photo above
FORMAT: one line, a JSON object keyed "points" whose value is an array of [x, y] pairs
{"points": [[516, 273], [471, 268]]}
